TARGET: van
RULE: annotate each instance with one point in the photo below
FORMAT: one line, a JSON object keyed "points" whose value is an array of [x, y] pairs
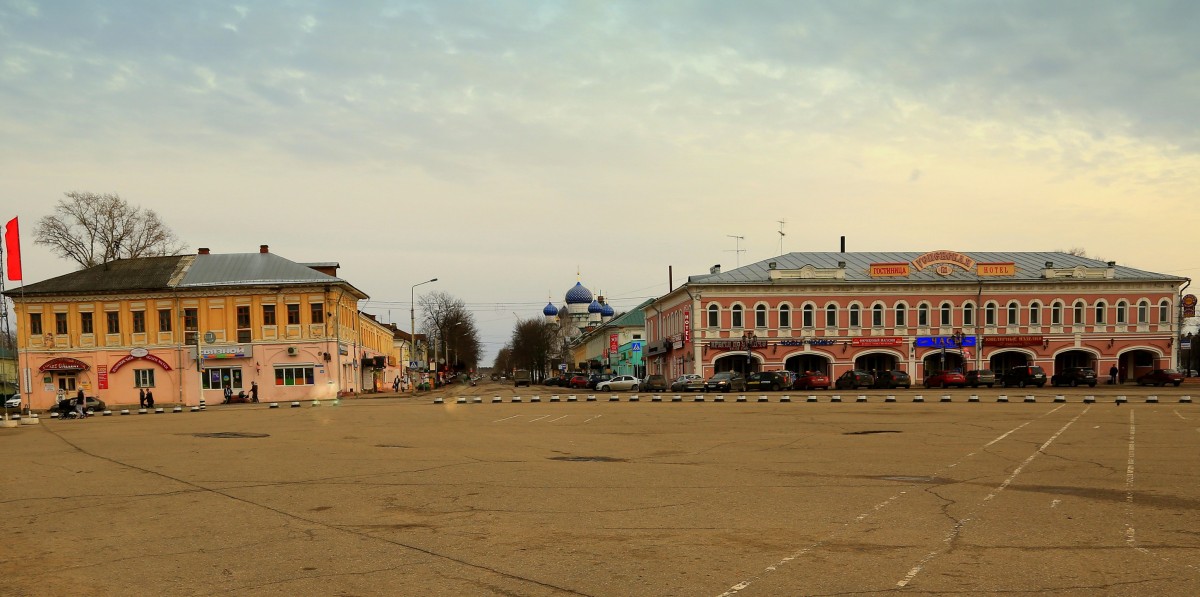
{"points": [[521, 378]]}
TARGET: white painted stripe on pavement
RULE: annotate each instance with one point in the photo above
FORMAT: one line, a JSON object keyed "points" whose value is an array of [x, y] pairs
{"points": [[539, 418], [506, 418]]}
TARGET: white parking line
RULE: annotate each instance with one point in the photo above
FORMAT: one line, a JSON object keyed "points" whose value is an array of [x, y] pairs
{"points": [[593, 418], [558, 419], [954, 532], [506, 418], [1179, 415], [539, 418], [1130, 533], [861, 517]]}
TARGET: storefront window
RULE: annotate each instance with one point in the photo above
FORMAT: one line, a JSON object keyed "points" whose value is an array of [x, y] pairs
{"points": [[143, 378], [219, 378], [294, 376]]}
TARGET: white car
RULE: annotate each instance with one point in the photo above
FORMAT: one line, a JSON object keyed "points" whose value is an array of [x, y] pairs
{"points": [[619, 383], [13, 401]]}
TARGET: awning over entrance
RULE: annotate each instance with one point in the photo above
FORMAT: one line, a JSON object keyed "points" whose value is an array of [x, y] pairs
{"points": [[64, 364]]}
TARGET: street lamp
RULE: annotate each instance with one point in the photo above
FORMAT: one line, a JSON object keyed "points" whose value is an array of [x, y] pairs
{"points": [[412, 339]]}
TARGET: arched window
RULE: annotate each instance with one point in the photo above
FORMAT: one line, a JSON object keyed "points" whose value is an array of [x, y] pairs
{"points": [[714, 316], [901, 315], [1122, 312], [1164, 312], [877, 315], [1056, 313], [969, 314], [922, 315], [831, 315], [760, 316], [785, 316], [808, 316], [1013, 315], [1035, 313], [989, 314], [1077, 316], [854, 316], [1101, 310], [946, 315], [1143, 312], [737, 316]]}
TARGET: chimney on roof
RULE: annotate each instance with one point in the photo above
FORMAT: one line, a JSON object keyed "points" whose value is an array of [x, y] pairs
{"points": [[202, 251], [263, 249]]}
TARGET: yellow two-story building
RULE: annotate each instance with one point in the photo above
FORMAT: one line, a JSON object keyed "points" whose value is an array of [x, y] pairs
{"points": [[186, 327]]}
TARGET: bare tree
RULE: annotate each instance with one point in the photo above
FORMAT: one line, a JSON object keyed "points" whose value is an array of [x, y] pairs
{"points": [[534, 341], [504, 361], [91, 229], [447, 319]]}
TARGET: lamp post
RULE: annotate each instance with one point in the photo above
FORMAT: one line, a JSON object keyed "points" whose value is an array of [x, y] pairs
{"points": [[412, 340]]}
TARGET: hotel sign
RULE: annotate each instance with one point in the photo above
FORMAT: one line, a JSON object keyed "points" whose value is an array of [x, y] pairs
{"points": [[943, 258], [887, 270], [996, 269]]}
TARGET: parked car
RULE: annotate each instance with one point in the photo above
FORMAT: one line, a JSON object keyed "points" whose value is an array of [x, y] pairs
{"points": [[767, 380], [68, 405], [1075, 376], [654, 383], [620, 383], [892, 379], [578, 381], [1161, 377], [981, 377], [729, 381], [855, 378], [521, 377], [13, 401], [811, 380], [688, 382], [596, 378], [553, 381], [946, 379], [1025, 375]]}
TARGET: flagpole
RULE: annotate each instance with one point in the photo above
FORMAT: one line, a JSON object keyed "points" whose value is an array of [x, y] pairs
{"points": [[21, 278]]}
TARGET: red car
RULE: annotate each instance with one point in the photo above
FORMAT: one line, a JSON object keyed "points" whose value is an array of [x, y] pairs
{"points": [[811, 380], [578, 381], [1161, 377], [945, 379]]}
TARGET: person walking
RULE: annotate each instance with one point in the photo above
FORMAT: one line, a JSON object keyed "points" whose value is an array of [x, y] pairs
{"points": [[1112, 375], [141, 397], [254, 391], [396, 384], [228, 394], [150, 398]]}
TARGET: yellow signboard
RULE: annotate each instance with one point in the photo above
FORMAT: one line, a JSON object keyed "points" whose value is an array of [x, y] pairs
{"points": [[996, 269], [884, 270]]}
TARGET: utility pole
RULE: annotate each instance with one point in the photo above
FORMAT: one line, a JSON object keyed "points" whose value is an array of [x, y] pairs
{"points": [[737, 250]]}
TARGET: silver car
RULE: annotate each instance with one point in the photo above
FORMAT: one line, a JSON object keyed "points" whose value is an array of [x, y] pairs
{"points": [[620, 383]]}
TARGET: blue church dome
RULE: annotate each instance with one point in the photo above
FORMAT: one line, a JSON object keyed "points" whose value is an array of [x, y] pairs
{"points": [[578, 295], [550, 310], [607, 311], [595, 307]]}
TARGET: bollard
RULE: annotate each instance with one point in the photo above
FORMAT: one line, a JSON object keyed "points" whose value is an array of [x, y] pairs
{"points": [[973, 398], [571, 398], [719, 398], [861, 398], [1030, 398], [1089, 399], [835, 398], [316, 403], [741, 398], [296, 404], [194, 409], [159, 411], [536, 399], [1002, 398], [124, 411], [614, 398], [437, 400], [763, 399], [1185, 399], [106, 413], [554, 398], [945, 398], [516, 399], [811, 398], [634, 398], [698, 399], [785, 398], [461, 400], [918, 398], [1060, 398], [273, 405], [677, 398], [656, 398], [1152, 399], [496, 399], [1121, 399], [477, 400], [890, 398], [591, 398]]}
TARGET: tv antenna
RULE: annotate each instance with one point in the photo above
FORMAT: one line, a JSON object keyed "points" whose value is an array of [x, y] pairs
{"points": [[737, 248], [781, 235]]}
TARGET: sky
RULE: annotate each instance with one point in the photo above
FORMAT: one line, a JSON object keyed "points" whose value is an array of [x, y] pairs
{"points": [[511, 148]]}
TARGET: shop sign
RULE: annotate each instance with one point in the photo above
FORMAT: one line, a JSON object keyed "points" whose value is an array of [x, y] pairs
{"points": [[944, 258], [687, 326], [945, 342], [224, 352], [135, 354], [678, 345], [996, 269], [885, 270], [64, 364], [877, 341], [1013, 341], [612, 343], [738, 344], [1189, 305], [809, 341], [101, 377]]}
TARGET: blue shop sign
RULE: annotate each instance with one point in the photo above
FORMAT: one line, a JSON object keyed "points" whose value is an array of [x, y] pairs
{"points": [[944, 342]]}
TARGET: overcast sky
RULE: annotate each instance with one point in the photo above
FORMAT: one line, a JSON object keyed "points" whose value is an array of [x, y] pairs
{"points": [[502, 146]]}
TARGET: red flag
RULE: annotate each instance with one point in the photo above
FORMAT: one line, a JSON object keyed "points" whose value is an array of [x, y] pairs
{"points": [[12, 250]]}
